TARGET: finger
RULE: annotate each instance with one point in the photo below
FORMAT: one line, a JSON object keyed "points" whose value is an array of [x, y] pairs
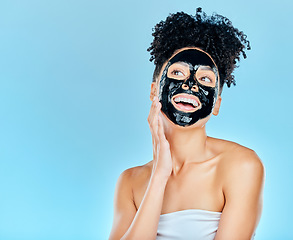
{"points": [[151, 114], [154, 102], [161, 133], [154, 123], [157, 111], [153, 118]]}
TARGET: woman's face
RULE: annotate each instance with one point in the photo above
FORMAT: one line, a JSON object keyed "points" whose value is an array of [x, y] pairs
{"points": [[188, 86]]}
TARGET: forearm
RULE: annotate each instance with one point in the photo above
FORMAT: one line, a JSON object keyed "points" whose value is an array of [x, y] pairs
{"points": [[145, 222]]}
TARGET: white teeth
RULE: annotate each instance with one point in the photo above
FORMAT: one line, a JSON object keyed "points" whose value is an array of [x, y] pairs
{"points": [[187, 100]]}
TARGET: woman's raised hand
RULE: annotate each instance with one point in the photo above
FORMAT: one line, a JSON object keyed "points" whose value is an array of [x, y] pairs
{"points": [[162, 161]]}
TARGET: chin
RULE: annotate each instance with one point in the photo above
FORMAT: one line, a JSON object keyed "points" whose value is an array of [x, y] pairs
{"points": [[200, 124]]}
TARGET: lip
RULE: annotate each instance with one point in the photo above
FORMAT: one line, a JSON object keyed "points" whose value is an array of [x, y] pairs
{"points": [[188, 96]]}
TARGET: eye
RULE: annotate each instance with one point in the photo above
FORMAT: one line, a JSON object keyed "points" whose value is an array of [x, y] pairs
{"points": [[205, 79], [177, 73]]}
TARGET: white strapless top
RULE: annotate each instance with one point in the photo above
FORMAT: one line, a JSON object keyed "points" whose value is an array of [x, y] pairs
{"points": [[191, 224]]}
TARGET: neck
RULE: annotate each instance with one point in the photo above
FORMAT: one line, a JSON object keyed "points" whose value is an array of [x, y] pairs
{"points": [[187, 145]]}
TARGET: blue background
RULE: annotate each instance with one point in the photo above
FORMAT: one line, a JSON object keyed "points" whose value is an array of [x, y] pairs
{"points": [[74, 98]]}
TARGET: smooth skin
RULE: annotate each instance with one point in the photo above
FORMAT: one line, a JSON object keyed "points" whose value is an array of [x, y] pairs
{"points": [[189, 170]]}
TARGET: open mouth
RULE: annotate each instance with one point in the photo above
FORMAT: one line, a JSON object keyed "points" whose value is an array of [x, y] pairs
{"points": [[185, 102]]}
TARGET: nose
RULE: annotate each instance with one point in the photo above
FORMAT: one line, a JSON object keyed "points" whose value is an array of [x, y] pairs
{"points": [[194, 88], [190, 84]]}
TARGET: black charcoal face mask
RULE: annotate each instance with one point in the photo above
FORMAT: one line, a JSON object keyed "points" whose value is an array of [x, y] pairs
{"points": [[186, 99]]}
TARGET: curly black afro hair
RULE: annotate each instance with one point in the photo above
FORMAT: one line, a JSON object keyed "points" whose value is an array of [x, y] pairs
{"points": [[214, 34]]}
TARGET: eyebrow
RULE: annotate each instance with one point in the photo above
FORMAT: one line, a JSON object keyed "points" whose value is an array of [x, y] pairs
{"points": [[181, 63], [205, 68]]}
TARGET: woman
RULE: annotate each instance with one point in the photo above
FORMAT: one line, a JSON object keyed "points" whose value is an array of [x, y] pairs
{"points": [[196, 187]]}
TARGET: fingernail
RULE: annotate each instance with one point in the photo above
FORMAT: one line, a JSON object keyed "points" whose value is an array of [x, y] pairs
{"points": [[155, 98]]}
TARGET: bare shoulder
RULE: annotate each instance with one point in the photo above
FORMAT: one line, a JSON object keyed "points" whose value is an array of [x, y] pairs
{"points": [[235, 155], [240, 164], [242, 158], [126, 183], [242, 176], [124, 202], [134, 175]]}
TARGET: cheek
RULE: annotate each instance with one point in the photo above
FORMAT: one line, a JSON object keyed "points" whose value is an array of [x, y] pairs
{"points": [[207, 95], [174, 86]]}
